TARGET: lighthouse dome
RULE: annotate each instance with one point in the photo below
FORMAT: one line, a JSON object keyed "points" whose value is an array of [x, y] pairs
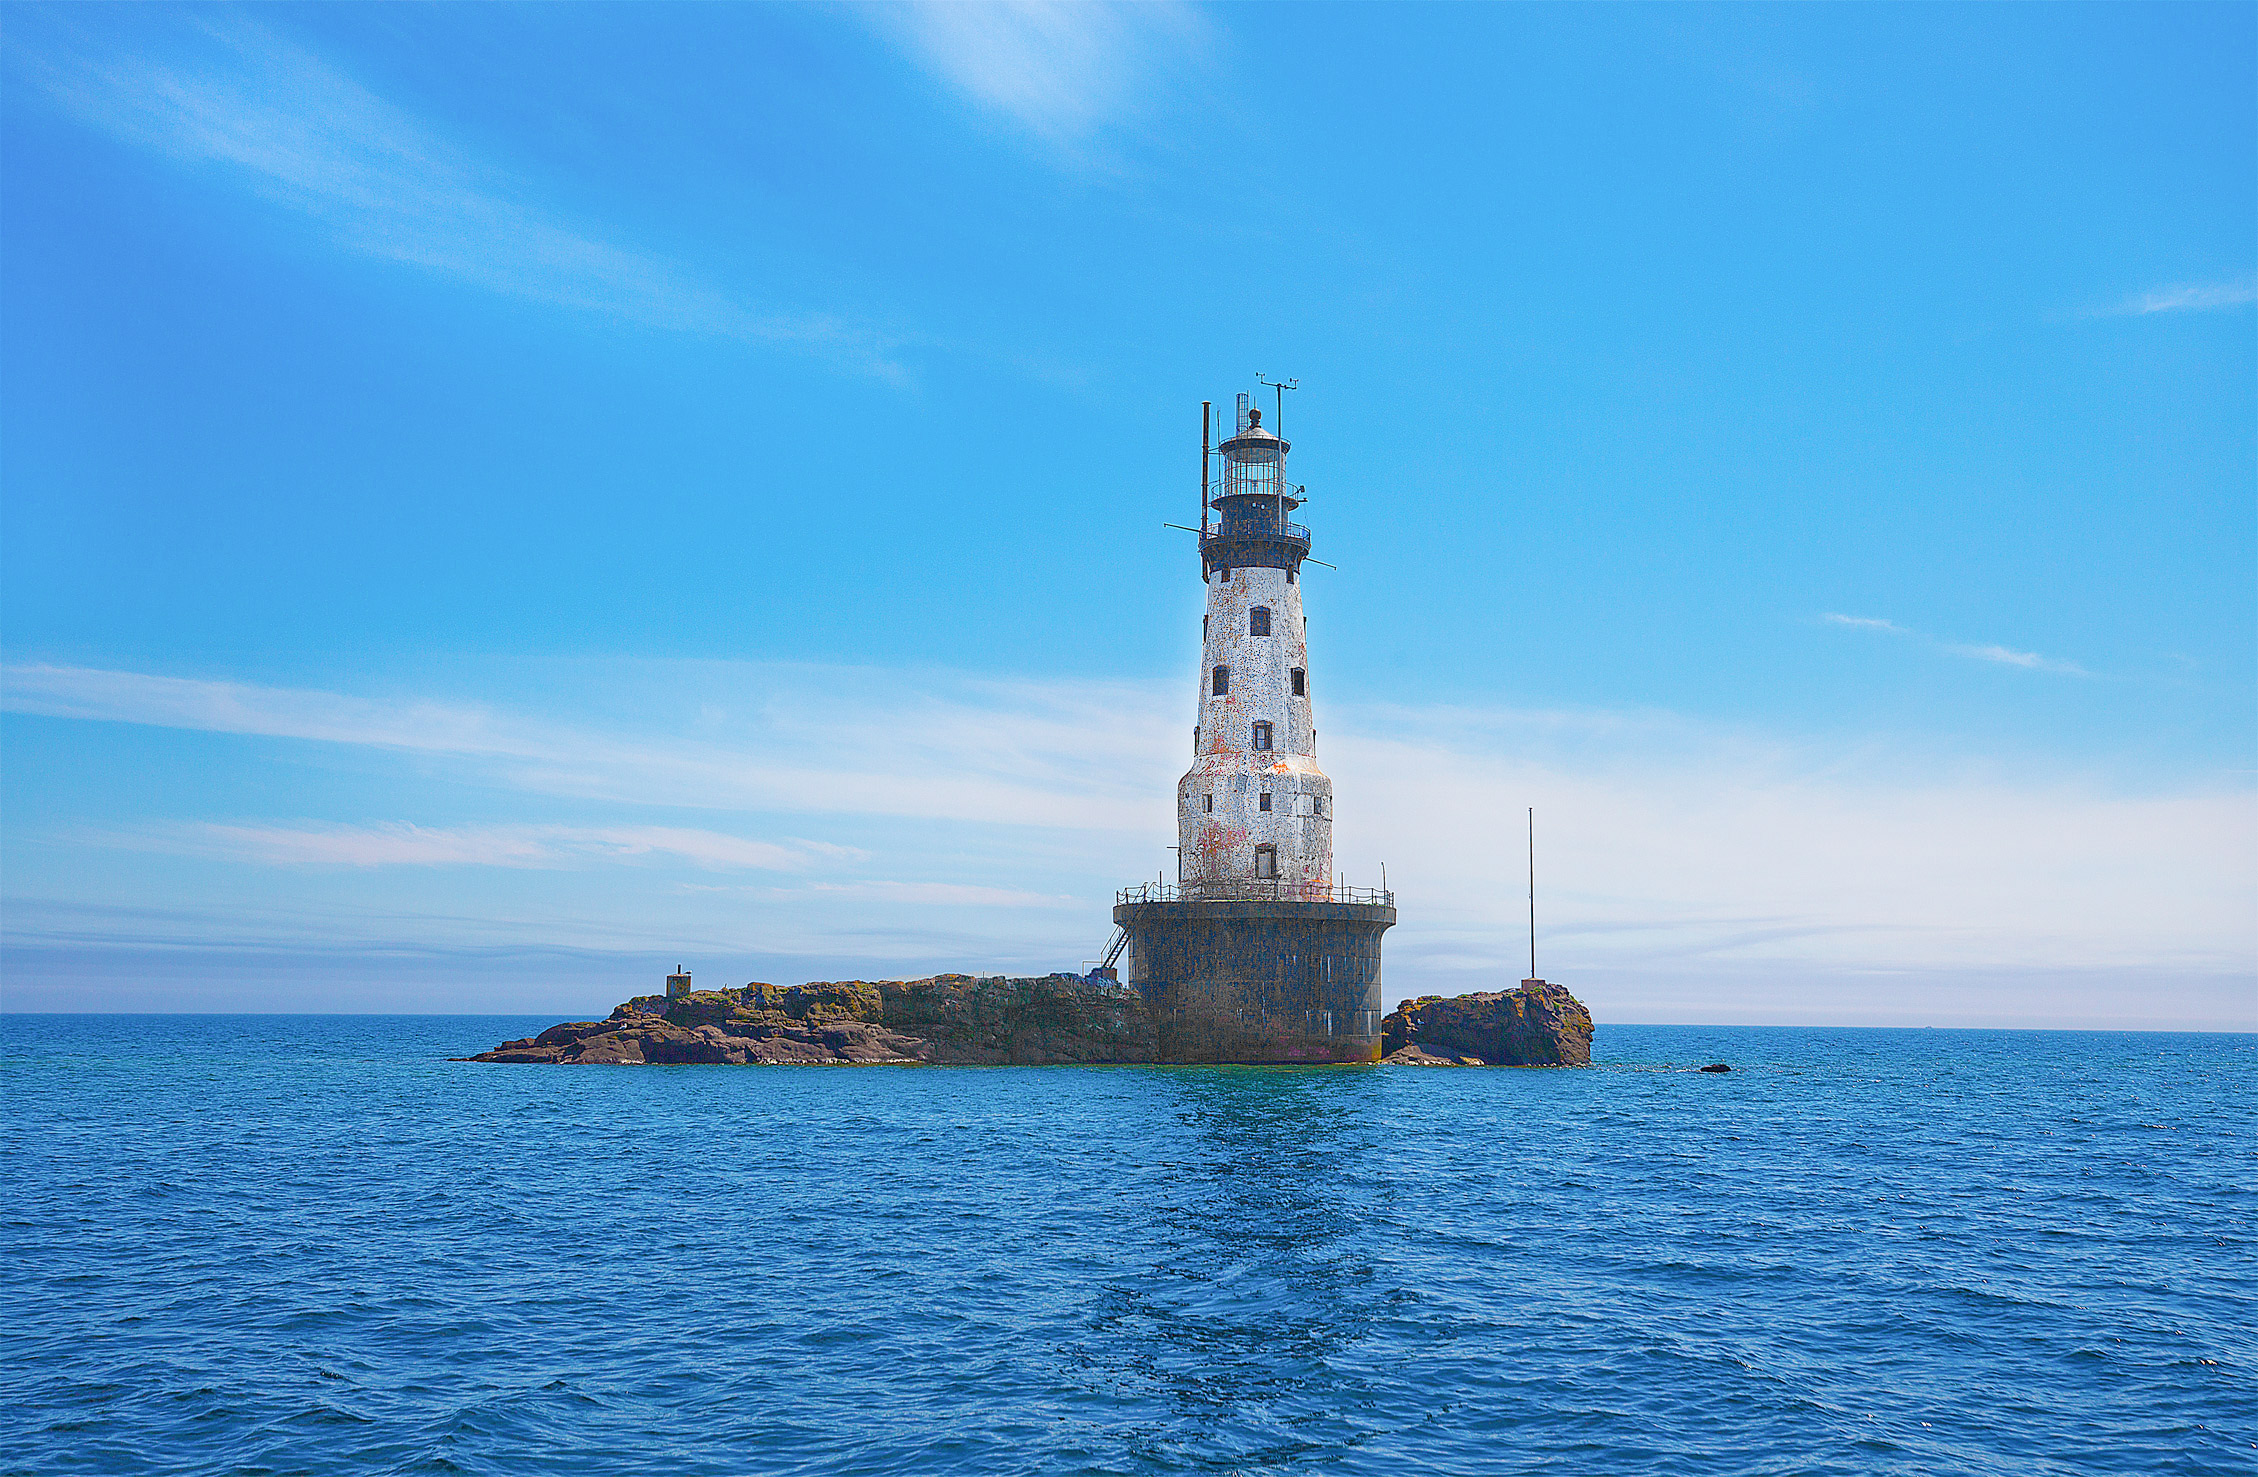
{"points": [[1255, 443]]}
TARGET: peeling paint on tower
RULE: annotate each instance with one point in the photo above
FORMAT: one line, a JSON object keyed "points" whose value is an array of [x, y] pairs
{"points": [[1254, 955]]}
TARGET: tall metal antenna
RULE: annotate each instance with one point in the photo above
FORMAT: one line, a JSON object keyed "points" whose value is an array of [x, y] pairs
{"points": [[1532, 892], [1207, 408], [1278, 422]]}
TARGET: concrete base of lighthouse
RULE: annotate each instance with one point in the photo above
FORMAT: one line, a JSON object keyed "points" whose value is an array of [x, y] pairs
{"points": [[1255, 980]]}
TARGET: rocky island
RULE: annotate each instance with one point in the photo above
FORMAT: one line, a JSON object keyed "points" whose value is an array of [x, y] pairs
{"points": [[994, 1021], [1538, 1025]]}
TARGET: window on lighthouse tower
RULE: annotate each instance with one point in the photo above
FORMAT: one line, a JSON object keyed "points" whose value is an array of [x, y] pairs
{"points": [[1262, 736], [1301, 683], [1222, 682], [1266, 861], [1258, 621]]}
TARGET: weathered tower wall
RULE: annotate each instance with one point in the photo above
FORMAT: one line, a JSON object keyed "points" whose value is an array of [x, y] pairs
{"points": [[1254, 780], [1258, 981]]}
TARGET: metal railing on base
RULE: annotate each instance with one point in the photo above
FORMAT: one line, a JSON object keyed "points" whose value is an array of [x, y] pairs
{"points": [[1253, 890]]}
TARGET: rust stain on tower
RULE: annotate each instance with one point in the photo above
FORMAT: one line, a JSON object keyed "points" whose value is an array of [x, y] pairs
{"points": [[1255, 954]]}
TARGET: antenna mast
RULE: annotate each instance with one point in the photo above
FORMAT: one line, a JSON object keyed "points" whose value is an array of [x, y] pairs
{"points": [[1207, 408], [1278, 429], [1532, 892], [1278, 421]]}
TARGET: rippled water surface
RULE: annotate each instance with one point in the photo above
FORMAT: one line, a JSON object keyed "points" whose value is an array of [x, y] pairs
{"points": [[313, 1244]]}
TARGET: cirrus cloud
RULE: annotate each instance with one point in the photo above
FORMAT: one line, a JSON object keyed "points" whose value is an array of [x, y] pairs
{"points": [[2191, 298], [400, 844], [1059, 71], [2029, 661], [223, 94]]}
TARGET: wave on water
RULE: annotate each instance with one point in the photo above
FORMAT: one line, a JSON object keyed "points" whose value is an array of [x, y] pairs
{"points": [[315, 1244]]}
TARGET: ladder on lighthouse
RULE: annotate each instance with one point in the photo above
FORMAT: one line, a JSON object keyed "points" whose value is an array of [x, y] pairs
{"points": [[1113, 949]]}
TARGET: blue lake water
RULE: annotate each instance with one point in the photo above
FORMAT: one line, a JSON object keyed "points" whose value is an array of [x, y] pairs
{"points": [[312, 1244]]}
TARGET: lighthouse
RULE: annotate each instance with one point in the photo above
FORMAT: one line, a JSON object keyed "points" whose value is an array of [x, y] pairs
{"points": [[1255, 953], [1254, 810]]}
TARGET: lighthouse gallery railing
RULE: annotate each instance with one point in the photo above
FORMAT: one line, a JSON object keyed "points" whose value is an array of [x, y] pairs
{"points": [[1252, 890]]}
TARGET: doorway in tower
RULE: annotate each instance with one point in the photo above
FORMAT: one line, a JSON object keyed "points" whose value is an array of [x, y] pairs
{"points": [[1266, 861]]}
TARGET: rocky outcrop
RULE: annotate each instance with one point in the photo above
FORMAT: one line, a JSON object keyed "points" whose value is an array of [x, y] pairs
{"points": [[1058, 1018], [1538, 1025], [948, 1018], [1417, 1056], [996, 1021]]}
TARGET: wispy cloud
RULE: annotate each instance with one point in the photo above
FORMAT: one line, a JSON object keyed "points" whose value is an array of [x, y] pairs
{"points": [[2191, 298], [1059, 69], [2029, 661], [996, 752], [918, 894], [947, 894], [226, 94], [235, 707], [403, 845]]}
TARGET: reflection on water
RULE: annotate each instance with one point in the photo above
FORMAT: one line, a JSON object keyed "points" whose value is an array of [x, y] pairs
{"points": [[1242, 1328]]}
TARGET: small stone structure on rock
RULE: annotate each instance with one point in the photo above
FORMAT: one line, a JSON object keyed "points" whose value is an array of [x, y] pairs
{"points": [[678, 983]]}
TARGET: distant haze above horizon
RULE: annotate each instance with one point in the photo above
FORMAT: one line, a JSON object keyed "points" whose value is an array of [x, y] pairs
{"points": [[497, 502]]}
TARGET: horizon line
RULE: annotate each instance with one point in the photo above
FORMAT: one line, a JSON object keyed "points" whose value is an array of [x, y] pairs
{"points": [[1596, 1026]]}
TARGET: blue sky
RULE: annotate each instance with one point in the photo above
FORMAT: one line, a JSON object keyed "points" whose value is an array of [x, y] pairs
{"points": [[500, 499]]}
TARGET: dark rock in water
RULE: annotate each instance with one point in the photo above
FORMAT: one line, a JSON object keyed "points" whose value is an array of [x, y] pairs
{"points": [[997, 1021], [949, 1018], [1717, 1067], [1538, 1025]]}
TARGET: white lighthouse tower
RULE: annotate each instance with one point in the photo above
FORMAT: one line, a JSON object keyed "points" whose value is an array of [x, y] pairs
{"points": [[1254, 954], [1254, 808]]}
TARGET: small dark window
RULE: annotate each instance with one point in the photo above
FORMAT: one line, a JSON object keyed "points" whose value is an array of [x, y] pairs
{"points": [[1195, 738], [1265, 805], [1262, 736], [1209, 805], [1223, 573], [1258, 621], [1317, 805], [1301, 683], [1222, 682], [1289, 576], [1266, 861], [1203, 628]]}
